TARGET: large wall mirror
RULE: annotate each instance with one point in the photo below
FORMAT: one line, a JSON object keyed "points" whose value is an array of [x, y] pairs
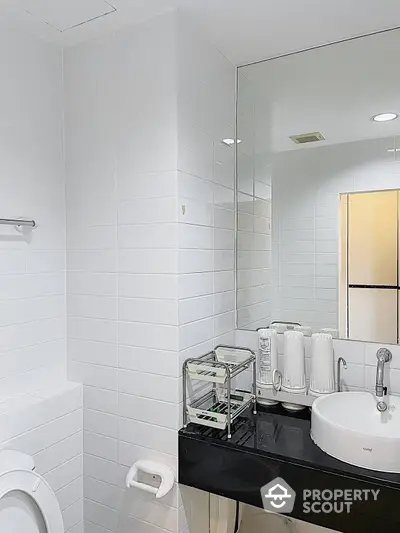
{"points": [[318, 190]]}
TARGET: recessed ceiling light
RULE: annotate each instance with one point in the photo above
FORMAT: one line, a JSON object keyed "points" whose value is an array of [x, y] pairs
{"points": [[385, 117], [229, 142], [393, 150]]}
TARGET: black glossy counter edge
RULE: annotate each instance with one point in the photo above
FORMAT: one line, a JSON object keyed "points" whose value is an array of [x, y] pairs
{"points": [[237, 471]]}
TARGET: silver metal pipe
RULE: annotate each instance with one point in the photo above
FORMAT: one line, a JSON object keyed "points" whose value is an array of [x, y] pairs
{"points": [[341, 361], [379, 378], [255, 387], [184, 394], [384, 356], [240, 348], [17, 222], [229, 405]]}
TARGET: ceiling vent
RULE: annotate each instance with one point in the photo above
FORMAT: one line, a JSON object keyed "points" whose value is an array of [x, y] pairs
{"points": [[304, 138]]}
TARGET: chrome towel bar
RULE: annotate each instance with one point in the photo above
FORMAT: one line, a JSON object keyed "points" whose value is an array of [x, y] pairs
{"points": [[17, 222]]}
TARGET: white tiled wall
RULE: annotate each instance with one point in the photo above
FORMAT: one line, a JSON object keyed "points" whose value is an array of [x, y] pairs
{"points": [[206, 205], [122, 281], [49, 427], [32, 265], [150, 218], [206, 210], [40, 413], [306, 188], [254, 209]]}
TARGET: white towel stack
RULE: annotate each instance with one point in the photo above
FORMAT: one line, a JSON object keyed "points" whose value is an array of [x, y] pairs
{"points": [[322, 376]]}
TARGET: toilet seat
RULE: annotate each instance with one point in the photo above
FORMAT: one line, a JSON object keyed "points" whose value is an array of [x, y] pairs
{"points": [[28, 487]]}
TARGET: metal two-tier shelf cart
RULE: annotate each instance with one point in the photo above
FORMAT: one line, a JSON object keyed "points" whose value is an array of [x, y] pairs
{"points": [[210, 382]]}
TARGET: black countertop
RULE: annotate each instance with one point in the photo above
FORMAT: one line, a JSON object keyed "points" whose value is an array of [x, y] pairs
{"points": [[275, 443], [277, 433]]}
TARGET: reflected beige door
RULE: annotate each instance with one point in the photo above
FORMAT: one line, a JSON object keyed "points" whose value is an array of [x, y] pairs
{"points": [[373, 315], [372, 239], [370, 273], [343, 284]]}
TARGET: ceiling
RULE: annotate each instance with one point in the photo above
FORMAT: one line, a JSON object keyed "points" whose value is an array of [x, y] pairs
{"points": [[334, 90], [244, 30], [62, 16]]}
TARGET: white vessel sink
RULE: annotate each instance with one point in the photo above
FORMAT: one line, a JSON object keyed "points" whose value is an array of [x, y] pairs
{"points": [[348, 426]]}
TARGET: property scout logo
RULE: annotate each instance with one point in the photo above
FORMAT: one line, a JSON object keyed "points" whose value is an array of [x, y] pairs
{"points": [[279, 497]]}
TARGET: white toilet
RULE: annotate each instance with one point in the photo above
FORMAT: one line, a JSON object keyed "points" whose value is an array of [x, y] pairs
{"points": [[27, 503]]}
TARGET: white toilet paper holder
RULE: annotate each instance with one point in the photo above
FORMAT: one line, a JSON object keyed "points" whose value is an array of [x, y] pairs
{"points": [[154, 469]]}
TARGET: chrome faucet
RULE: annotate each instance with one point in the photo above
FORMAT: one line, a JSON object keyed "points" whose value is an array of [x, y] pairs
{"points": [[384, 356], [340, 362]]}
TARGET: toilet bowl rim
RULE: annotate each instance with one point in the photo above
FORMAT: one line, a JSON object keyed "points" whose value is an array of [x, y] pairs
{"points": [[38, 489]]}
